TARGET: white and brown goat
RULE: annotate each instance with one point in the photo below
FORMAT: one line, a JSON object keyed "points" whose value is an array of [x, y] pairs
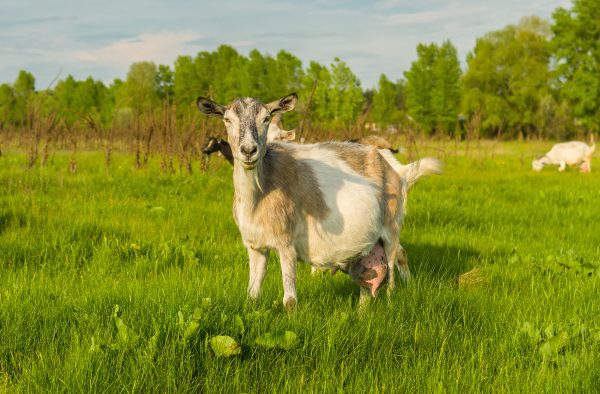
{"points": [[326, 204]]}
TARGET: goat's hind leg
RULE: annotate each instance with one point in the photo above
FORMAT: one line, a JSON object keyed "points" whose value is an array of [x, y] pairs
{"points": [[391, 254], [402, 265]]}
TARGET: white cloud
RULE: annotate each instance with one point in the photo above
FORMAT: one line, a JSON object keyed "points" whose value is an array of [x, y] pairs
{"points": [[423, 17], [103, 39], [163, 47]]}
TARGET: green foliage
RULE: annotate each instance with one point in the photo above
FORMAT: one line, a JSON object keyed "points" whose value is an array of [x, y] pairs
{"points": [[72, 246], [7, 105], [279, 340], [165, 81], [23, 90], [125, 337], [140, 91], [432, 90], [556, 343], [224, 346], [74, 101], [344, 97], [577, 50], [507, 77], [519, 81], [385, 108]]}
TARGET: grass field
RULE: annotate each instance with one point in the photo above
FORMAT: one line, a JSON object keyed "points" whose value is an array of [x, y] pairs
{"points": [[165, 249]]}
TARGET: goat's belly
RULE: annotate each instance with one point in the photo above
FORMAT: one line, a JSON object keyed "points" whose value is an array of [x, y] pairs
{"points": [[350, 229]]}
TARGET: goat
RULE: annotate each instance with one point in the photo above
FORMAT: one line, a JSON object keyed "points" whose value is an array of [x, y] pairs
{"points": [[362, 273], [327, 204], [572, 153], [215, 144], [275, 133]]}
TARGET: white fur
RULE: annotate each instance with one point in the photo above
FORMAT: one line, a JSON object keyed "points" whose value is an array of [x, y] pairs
{"points": [[275, 133], [565, 154], [413, 171], [347, 231]]}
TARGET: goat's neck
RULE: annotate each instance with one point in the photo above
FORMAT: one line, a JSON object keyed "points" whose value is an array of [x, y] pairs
{"points": [[246, 184], [545, 160]]}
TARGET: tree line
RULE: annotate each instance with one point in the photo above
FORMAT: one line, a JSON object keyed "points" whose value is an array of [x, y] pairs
{"points": [[536, 78]]}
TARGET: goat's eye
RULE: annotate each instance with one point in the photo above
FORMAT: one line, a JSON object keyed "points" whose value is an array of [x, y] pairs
{"points": [[267, 119], [227, 120]]}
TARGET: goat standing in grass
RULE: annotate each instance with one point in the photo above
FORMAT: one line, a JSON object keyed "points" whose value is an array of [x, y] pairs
{"points": [[327, 204], [565, 154]]}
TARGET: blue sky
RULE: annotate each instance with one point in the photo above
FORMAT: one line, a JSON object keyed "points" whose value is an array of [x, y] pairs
{"points": [[101, 39]]}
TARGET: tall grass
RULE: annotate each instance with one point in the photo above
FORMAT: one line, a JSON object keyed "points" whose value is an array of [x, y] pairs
{"points": [[72, 246]]}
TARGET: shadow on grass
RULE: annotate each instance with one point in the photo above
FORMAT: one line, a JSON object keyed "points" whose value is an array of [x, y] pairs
{"points": [[426, 262], [440, 262]]}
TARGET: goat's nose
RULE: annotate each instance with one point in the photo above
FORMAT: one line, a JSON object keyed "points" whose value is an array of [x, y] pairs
{"points": [[249, 150]]}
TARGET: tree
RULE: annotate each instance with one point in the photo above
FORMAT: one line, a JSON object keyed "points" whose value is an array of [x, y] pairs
{"points": [[23, 88], [507, 76], [576, 45], [140, 90], [345, 95], [65, 96], [432, 89], [317, 77], [164, 81], [185, 83], [445, 97], [7, 106], [384, 109]]}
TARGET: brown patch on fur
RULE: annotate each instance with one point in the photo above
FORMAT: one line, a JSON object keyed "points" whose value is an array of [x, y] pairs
{"points": [[294, 179], [289, 189], [377, 141], [365, 160]]}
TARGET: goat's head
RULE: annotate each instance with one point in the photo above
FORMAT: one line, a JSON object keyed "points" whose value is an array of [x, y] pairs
{"points": [[276, 134], [212, 145], [537, 164], [247, 121]]}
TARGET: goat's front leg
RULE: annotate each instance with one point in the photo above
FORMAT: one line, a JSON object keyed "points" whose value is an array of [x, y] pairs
{"points": [[258, 269], [562, 166], [287, 258]]}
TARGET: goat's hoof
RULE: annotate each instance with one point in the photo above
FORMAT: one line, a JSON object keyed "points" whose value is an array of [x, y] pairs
{"points": [[251, 303], [390, 291], [405, 275], [290, 304]]}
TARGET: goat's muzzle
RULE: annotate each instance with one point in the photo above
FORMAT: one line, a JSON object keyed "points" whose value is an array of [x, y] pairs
{"points": [[249, 155]]}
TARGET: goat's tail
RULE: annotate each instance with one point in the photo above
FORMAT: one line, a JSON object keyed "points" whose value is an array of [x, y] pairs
{"points": [[413, 171], [592, 143]]}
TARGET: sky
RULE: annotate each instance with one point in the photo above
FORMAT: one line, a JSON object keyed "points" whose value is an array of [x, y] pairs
{"points": [[53, 39]]}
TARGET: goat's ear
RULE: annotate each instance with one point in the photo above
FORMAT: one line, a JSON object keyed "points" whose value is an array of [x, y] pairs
{"points": [[291, 135], [284, 104], [209, 107]]}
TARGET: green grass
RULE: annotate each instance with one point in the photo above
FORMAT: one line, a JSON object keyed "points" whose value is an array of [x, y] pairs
{"points": [[72, 246]]}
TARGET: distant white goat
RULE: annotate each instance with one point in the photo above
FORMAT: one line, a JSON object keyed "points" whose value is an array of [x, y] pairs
{"points": [[327, 204], [572, 153]]}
